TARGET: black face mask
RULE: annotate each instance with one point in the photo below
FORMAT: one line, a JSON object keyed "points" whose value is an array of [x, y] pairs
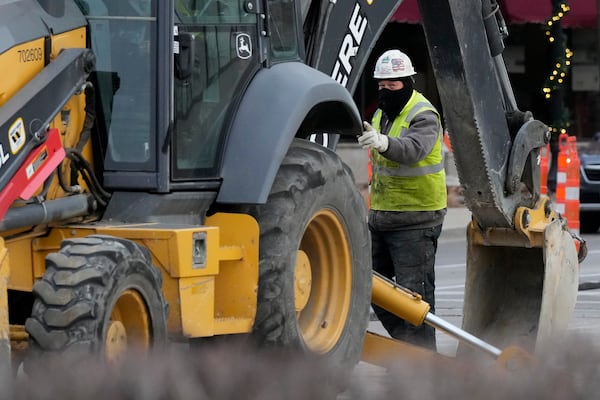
{"points": [[393, 101]]}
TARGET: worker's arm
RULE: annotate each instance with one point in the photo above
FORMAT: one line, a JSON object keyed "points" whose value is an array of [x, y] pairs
{"points": [[417, 143]]}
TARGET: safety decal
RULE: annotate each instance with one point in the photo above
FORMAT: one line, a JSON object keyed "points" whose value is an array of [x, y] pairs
{"points": [[243, 46], [35, 165], [16, 136], [398, 65]]}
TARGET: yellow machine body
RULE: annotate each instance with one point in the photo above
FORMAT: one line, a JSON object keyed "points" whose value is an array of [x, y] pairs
{"points": [[209, 270], [214, 295]]}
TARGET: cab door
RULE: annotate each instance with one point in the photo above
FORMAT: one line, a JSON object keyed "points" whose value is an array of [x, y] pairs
{"points": [[216, 54]]}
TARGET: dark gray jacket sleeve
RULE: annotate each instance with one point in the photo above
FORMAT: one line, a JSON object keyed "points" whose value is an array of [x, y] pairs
{"points": [[417, 143]]}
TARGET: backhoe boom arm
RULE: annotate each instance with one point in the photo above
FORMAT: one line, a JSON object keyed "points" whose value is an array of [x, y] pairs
{"points": [[479, 109]]}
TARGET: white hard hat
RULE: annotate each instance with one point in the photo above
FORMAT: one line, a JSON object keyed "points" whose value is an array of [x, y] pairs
{"points": [[393, 64]]}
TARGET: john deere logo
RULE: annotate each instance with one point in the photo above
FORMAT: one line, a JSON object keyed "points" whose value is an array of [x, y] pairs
{"points": [[243, 46]]}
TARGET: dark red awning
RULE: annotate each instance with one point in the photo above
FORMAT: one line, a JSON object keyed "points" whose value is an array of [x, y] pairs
{"points": [[407, 12], [581, 15]]}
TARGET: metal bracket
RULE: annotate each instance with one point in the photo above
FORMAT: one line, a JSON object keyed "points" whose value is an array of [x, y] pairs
{"points": [[526, 148]]}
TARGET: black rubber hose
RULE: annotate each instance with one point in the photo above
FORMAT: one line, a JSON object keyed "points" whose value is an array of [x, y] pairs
{"points": [[48, 211]]}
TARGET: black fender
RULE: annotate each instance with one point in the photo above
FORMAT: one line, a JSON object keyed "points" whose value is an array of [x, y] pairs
{"points": [[282, 102]]}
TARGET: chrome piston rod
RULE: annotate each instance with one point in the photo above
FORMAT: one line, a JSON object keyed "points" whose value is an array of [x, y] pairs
{"points": [[409, 306], [438, 323]]}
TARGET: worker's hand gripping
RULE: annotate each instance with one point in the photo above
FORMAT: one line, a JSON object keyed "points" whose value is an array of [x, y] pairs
{"points": [[371, 139]]}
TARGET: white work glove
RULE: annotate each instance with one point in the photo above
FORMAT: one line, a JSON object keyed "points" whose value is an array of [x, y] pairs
{"points": [[371, 139]]}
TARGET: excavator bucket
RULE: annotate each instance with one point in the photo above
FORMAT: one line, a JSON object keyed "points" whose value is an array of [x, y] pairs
{"points": [[521, 285]]}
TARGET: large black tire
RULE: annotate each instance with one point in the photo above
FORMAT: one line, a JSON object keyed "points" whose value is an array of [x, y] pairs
{"points": [[99, 295], [314, 289]]}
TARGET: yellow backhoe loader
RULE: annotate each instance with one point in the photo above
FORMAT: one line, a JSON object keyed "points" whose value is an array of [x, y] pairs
{"points": [[158, 182]]}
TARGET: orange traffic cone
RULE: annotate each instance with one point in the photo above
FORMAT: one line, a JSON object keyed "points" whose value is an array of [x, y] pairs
{"points": [[561, 173], [446, 138], [544, 167], [572, 187]]}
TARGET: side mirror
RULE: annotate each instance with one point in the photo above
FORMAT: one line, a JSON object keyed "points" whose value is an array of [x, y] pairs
{"points": [[184, 59]]}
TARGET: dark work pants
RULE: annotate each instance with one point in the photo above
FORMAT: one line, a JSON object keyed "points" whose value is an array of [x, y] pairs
{"points": [[409, 257]]}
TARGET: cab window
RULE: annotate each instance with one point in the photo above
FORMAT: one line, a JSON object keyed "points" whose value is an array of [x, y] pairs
{"points": [[282, 25], [122, 35]]}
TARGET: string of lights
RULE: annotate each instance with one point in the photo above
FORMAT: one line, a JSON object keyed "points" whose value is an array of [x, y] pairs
{"points": [[557, 76]]}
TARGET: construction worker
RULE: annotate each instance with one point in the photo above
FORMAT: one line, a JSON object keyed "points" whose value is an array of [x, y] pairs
{"points": [[408, 189]]}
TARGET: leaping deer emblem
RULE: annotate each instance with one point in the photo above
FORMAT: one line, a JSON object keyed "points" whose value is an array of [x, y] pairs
{"points": [[244, 46]]}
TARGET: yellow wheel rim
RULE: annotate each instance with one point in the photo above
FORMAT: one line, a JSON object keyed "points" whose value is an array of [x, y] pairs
{"points": [[302, 280], [129, 326], [323, 282], [116, 341]]}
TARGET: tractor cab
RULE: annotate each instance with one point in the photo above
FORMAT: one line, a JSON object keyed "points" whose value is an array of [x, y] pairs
{"points": [[166, 106]]}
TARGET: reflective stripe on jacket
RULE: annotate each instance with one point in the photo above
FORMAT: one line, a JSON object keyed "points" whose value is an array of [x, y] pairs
{"points": [[417, 187]]}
